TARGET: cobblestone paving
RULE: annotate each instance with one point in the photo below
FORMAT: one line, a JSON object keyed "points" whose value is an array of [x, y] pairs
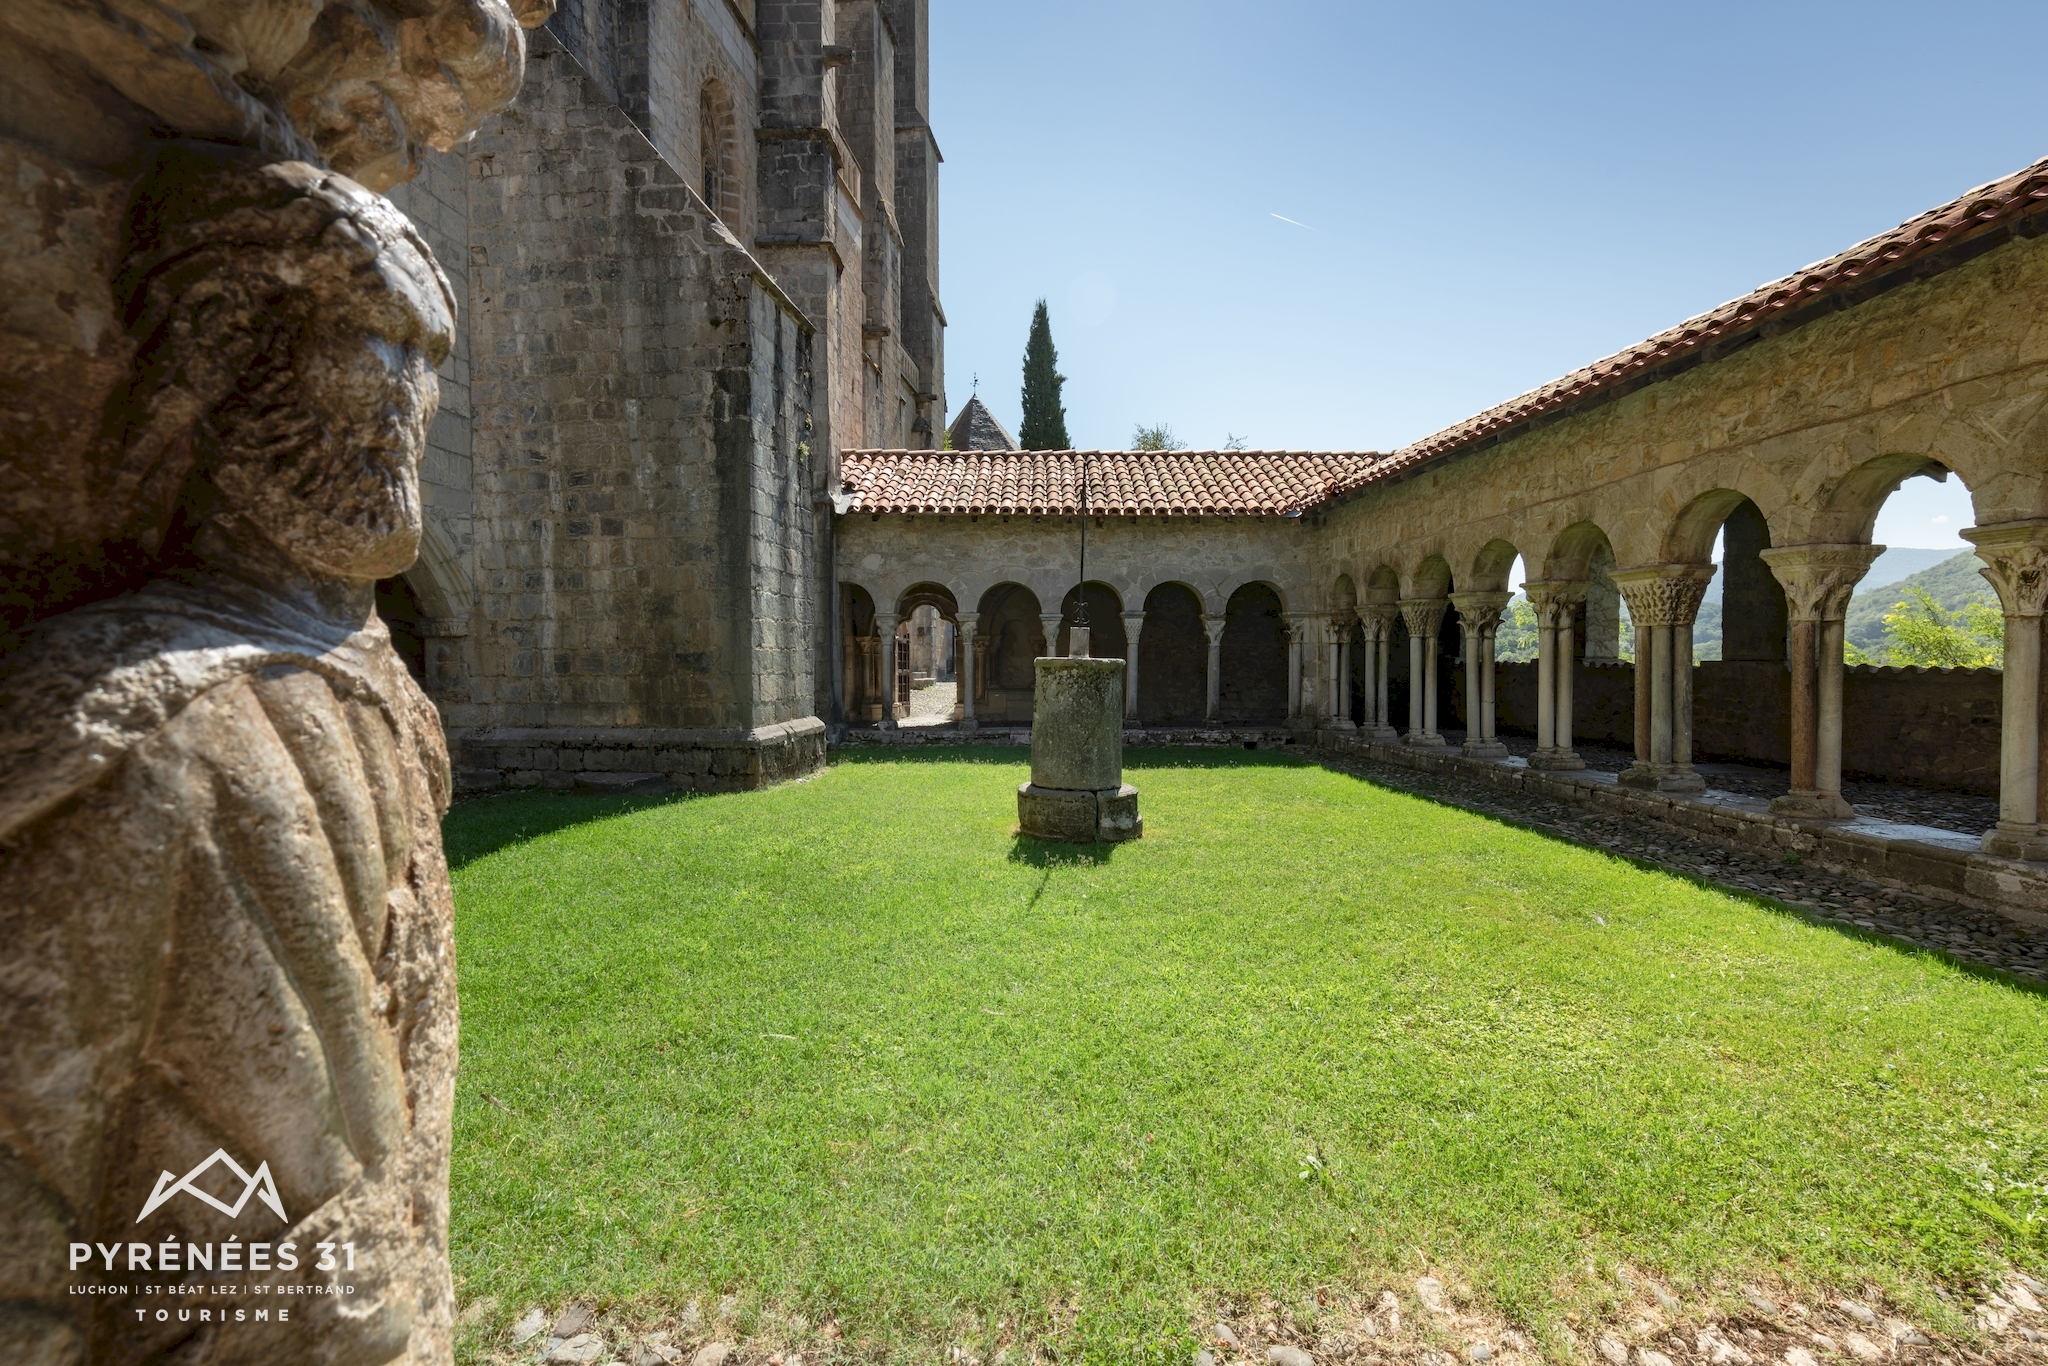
{"points": [[931, 706], [1984, 938]]}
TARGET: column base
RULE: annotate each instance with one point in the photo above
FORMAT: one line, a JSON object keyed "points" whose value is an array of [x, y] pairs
{"points": [[1556, 760], [887, 723], [1343, 723], [2016, 841], [1484, 749], [1661, 778], [969, 723], [1813, 806], [1422, 739], [1386, 735]]}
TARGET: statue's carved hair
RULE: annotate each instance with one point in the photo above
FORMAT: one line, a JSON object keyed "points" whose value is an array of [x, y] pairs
{"points": [[230, 262]]}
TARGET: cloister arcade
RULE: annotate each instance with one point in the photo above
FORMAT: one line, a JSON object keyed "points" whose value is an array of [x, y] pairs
{"points": [[1364, 591]]}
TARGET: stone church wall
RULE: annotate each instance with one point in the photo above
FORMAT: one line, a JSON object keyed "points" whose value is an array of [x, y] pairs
{"points": [[642, 512]]}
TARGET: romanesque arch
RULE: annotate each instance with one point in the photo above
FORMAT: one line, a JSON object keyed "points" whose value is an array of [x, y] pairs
{"points": [[1173, 658], [1011, 636], [1252, 676], [1106, 639]]}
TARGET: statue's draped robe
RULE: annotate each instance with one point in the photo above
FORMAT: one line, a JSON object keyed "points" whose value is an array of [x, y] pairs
{"points": [[224, 923]]}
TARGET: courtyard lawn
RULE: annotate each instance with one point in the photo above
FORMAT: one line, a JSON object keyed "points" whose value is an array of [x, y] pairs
{"points": [[848, 1047]]}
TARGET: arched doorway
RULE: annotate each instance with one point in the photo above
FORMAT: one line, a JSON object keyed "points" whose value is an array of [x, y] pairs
{"points": [[1106, 638], [399, 606], [1173, 659], [1253, 669], [1010, 638], [863, 693]]}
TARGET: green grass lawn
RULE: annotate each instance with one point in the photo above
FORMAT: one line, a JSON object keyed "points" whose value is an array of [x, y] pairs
{"points": [[850, 1047]]}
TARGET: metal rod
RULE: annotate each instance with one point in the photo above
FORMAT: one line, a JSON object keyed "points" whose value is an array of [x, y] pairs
{"points": [[1081, 605]]}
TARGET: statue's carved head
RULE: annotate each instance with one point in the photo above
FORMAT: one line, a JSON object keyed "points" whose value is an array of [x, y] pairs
{"points": [[288, 326]]}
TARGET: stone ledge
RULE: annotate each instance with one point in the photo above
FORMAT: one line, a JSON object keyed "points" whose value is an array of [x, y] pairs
{"points": [[1914, 858], [637, 759]]}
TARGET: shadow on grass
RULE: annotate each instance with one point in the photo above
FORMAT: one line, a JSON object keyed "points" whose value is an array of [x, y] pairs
{"points": [[480, 826], [1769, 903]]}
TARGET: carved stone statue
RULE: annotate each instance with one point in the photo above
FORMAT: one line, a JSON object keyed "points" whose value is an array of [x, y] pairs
{"points": [[223, 904]]}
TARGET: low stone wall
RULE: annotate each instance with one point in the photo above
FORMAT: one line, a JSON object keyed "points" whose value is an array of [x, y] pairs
{"points": [[1933, 727], [918, 737], [637, 759]]}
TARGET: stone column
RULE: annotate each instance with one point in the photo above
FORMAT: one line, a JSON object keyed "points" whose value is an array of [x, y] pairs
{"points": [[1424, 617], [1213, 622], [1556, 604], [1378, 624], [885, 654], [1480, 614], [1134, 625], [1662, 602], [1297, 628], [1340, 697], [963, 670], [2015, 555], [1818, 581], [1049, 622]]}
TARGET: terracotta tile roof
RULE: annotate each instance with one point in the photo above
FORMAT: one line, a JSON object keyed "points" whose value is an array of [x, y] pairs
{"points": [[1120, 483], [1920, 247]]}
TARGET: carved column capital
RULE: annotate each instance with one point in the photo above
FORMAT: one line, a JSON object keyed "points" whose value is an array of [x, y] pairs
{"points": [[1555, 600], [1424, 616], [968, 622], [1377, 619], [1480, 610], [1819, 579], [2015, 556], [1663, 594], [1213, 623]]}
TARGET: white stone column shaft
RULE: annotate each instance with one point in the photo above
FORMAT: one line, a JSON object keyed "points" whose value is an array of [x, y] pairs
{"points": [[1134, 626], [964, 669], [885, 665], [1415, 729], [1213, 624], [1546, 687], [1561, 704]]}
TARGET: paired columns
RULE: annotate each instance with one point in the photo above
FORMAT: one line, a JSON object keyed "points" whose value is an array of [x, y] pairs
{"points": [[1212, 622], [1818, 580], [1479, 615], [1424, 618], [1297, 636], [1377, 624], [1338, 672], [969, 622], [1134, 623], [1663, 601], [885, 666], [2016, 559], [1556, 604]]}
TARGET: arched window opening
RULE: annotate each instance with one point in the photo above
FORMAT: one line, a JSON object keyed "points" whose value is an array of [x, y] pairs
{"points": [[718, 153]]}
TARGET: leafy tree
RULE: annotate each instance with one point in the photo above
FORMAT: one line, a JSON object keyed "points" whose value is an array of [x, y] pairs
{"points": [[1514, 640], [1159, 438], [1045, 416], [1919, 631]]}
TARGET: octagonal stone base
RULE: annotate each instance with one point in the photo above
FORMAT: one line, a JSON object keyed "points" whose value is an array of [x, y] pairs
{"points": [[1106, 817]]}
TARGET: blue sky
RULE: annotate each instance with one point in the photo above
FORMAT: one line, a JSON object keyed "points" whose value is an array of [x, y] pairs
{"points": [[1489, 195]]}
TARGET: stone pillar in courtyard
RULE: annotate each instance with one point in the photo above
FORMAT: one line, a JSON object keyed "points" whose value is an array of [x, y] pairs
{"points": [[1818, 580], [2015, 556], [1480, 615], [225, 912], [1077, 793], [1340, 672], [1663, 600], [885, 669]]}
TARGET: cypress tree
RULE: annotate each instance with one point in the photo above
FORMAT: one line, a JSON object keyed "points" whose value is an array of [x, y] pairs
{"points": [[1045, 417]]}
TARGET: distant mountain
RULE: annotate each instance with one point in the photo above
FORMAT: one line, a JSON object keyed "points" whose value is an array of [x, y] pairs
{"points": [[1901, 563], [1952, 582]]}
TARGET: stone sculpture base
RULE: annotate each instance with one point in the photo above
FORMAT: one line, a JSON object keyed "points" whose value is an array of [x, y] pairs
{"points": [[1077, 791], [1107, 817]]}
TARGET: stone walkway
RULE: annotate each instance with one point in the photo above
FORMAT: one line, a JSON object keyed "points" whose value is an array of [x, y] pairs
{"points": [[931, 706], [1980, 937], [1963, 812]]}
